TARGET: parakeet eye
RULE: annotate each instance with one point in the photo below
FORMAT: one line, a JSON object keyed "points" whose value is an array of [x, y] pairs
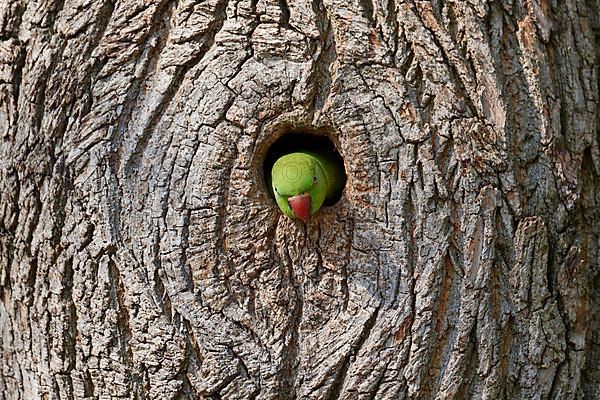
{"points": [[314, 178]]}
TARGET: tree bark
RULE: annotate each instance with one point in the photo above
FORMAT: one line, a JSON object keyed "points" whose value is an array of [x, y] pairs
{"points": [[142, 257]]}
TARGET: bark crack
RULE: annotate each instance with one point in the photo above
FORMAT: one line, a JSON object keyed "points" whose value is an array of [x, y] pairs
{"points": [[124, 327], [335, 390], [320, 77], [452, 69], [104, 17], [284, 20]]}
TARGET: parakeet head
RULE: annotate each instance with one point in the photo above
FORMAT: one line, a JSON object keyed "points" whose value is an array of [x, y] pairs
{"points": [[299, 185]]}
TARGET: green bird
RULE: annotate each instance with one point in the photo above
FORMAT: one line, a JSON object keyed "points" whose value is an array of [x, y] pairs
{"points": [[301, 182]]}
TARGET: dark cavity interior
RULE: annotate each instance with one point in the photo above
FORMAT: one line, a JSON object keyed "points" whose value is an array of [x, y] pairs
{"points": [[302, 141]]}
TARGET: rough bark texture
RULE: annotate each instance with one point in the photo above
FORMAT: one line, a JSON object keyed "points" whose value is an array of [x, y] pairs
{"points": [[142, 258]]}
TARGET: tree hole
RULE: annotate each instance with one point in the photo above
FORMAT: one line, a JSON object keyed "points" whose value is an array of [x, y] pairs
{"points": [[302, 141]]}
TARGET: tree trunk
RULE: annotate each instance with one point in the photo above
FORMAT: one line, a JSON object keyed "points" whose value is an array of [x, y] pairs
{"points": [[141, 256]]}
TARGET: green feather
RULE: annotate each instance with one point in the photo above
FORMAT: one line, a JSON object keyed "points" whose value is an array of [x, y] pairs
{"points": [[306, 172]]}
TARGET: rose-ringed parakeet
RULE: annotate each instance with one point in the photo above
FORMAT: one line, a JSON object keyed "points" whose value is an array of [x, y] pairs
{"points": [[302, 181]]}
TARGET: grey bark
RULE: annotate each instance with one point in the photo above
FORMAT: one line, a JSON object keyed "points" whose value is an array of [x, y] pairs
{"points": [[141, 256]]}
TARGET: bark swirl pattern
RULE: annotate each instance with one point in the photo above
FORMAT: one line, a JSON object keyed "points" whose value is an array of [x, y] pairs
{"points": [[142, 258]]}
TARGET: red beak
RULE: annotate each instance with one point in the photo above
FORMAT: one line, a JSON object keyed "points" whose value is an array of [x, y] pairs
{"points": [[301, 206]]}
